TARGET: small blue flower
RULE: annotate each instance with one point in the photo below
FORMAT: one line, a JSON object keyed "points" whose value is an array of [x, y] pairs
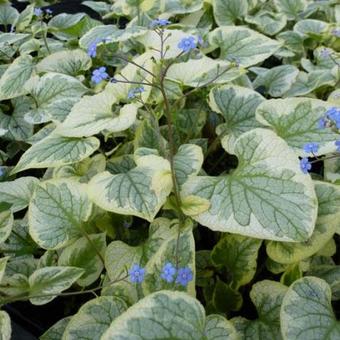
{"points": [[137, 274], [92, 50], [311, 147], [159, 22], [48, 11], [38, 11], [322, 123], [184, 276], [133, 92], [2, 172], [325, 52], [99, 74], [168, 272], [337, 144], [187, 44], [333, 114], [336, 32], [305, 165]]}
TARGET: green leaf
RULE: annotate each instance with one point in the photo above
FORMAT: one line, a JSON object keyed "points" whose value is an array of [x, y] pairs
{"points": [[310, 27], [98, 33], [24, 19], [238, 254], [57, 330], [328, 196], [178, 250], [268, 22], [227, 12], [187, 162], [218, 328], [292, 273], [14, 82], [6, 224], [277, 80], [3, 263], [267, 297], [53, 86], [50, 281], [141, 191], [237, 105], [5, 325], [93, 114], [198, 72], [50, 88], [296, 121], [329, 273], [148, 135], [226, 299], [83, 254], [164, 315], [57, 212], [18, 192], [291, 8], [238, 42], [70, 62], [17, 127], [94, 318], [55, 150], [8, 15], [267, 196], [306, 311]]}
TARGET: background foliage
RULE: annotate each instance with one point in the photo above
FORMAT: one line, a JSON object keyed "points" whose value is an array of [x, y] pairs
{"points": [[170, 169]]}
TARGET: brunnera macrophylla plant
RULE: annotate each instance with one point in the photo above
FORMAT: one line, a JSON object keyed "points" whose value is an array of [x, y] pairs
{"points": [[174, 171]]}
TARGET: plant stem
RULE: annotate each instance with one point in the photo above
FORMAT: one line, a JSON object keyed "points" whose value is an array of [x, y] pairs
{"points": [[44, 37]]}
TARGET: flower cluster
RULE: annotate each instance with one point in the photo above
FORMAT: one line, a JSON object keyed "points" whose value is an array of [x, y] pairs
{"points": [[336, 32], [312, 148], [325, 52], [135, 91], [183, 277], [305, 165], [99, 74], [136, 274], [92, 49], [337, 144], [159, 23], [40, 12]]}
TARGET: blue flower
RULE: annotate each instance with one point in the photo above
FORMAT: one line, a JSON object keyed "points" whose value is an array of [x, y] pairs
{"points": [[2, 172], [92, 50], [325, 52], [133, 92], [99, 74], [168, 272], [187, 44], [184, 276], [159, 22], [336, 32], [333, 114], [337, 144], [305, 165], [322, 123], [38, 11], [311, 147], [48, 11], [137, 274]]}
